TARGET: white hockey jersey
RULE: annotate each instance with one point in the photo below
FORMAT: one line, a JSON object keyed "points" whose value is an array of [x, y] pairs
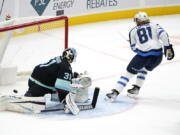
{"points": [[148, 39]]}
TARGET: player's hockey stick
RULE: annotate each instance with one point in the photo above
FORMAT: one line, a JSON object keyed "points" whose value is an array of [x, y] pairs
{"points": [[123, 37], [90, 106]]}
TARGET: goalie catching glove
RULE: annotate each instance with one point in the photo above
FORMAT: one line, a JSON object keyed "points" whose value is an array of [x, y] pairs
{"points": [[82, 81], [169, 52]]}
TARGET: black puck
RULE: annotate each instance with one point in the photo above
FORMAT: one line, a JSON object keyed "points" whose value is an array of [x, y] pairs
{"points": [[15, 91]]}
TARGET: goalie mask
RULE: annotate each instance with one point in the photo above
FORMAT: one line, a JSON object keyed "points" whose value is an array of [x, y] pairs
{"points": [[70, 54], [141, 18]]}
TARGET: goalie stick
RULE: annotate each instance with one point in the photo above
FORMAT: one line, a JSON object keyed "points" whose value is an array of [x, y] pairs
{"points": [[90, 106]]}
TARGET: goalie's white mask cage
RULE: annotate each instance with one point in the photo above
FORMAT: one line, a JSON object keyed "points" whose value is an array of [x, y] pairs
{"points": [[19, 39]]}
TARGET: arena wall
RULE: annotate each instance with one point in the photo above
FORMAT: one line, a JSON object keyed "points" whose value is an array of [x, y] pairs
{"points": [[87, 11]]}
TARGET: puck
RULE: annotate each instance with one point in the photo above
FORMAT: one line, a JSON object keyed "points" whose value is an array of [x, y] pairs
{"points": [[15, 91]]}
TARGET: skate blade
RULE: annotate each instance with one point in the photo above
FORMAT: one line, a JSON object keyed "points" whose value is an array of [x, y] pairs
{"points": [[135, 96], [109, 100]]}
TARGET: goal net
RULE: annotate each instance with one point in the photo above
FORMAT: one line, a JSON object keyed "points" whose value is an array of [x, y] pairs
{"points": [[27, 42]]}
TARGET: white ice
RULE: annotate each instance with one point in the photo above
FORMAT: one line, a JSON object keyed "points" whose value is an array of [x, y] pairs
{"points": [[104, 52]]}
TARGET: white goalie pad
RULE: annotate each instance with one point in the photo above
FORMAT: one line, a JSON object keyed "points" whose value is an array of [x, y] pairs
{"points": [[22, 104], [82, 96], [80, 86], [71, 105]]}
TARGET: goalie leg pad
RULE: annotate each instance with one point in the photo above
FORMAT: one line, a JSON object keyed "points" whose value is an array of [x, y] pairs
{"points": [[80, 86], [25, 107], [23, 104], [82, 95], [2, 107], [2, 103], [90, 106], [71, 105]]}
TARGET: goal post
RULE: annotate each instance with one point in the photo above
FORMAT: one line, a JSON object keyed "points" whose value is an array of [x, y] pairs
{"points": [[5, 37], [21, 36]]}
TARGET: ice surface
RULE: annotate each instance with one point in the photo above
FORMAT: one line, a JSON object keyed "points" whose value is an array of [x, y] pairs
{"points": [[104, 52]]}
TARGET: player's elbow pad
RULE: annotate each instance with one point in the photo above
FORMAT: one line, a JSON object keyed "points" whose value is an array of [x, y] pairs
{"points": [[164, 38]]}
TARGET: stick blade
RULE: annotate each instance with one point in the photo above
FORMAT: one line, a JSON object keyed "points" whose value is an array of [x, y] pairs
{"points": [[95, 96]]}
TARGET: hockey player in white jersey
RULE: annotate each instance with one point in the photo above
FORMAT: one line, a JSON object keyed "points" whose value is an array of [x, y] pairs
{"points": [[148, 41]]}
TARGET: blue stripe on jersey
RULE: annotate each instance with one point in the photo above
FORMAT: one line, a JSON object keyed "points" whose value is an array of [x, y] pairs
{"points": [[161, 31], [63, 84], [122, 83], [132, 45], [141, 77], [124, 78], [41, 84], [143, 72], [155, 53]]}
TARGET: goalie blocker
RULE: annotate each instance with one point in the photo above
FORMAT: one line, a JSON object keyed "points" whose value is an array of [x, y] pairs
{"points": [[37, 104]]}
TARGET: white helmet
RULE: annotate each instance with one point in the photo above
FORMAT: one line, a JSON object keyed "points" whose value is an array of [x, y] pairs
{"points": [[141, 17], [70, 54]]}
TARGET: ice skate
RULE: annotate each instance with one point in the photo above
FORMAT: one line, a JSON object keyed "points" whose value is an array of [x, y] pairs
{"points": [[111, 97], [134, 91]]}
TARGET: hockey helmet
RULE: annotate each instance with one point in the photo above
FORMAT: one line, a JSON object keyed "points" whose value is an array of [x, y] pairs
{"points": [[70, 54], [141, 18]]}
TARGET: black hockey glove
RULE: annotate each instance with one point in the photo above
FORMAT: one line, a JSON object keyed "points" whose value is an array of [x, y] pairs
{"points": [[169, 52], [75, 75]]}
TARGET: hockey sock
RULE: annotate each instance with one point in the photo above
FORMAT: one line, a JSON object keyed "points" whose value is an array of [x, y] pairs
{"points": [[141, 76], [124, 79]]}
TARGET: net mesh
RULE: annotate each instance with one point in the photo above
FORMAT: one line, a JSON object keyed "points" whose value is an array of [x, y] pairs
{"points": [[29, 46]]}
